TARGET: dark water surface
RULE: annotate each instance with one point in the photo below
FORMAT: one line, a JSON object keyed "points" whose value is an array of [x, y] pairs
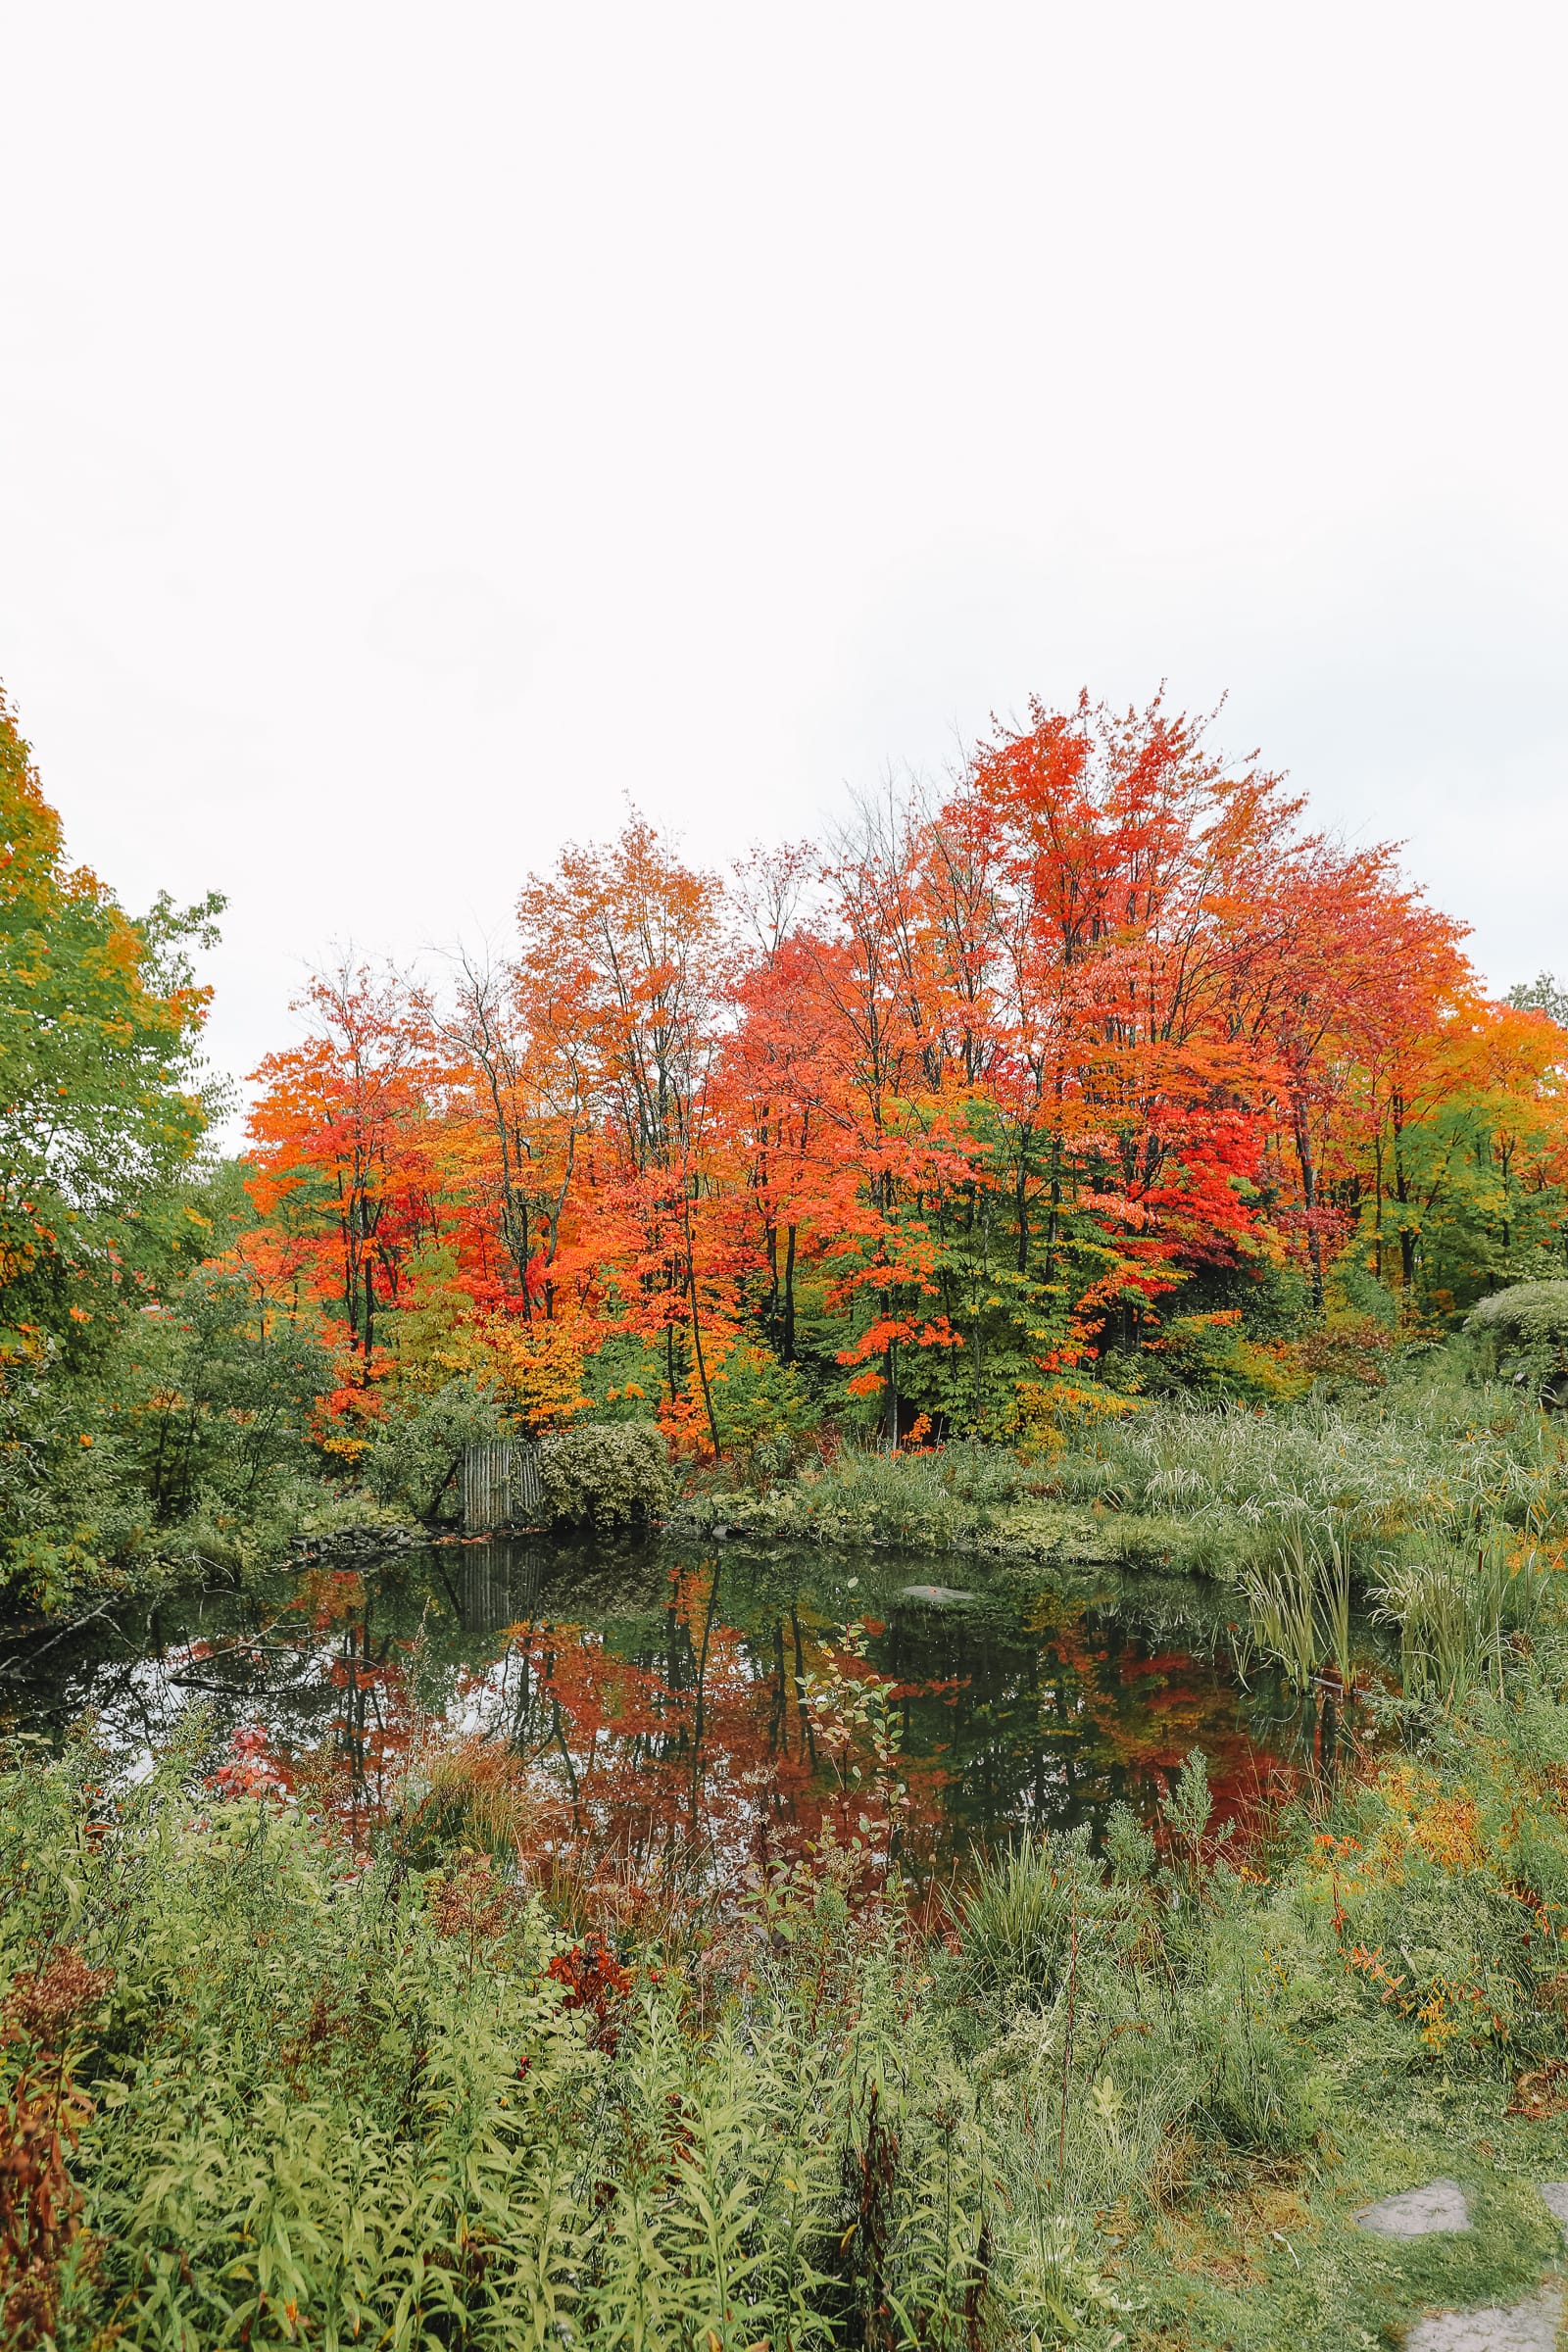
{"points": [[648, 1688]]}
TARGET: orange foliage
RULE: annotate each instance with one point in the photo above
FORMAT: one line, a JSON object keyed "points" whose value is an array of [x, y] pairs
{"points": [[1108, 1001]]}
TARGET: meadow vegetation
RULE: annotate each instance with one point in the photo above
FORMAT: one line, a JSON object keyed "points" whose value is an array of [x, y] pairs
{"points": [[1433, 1454], [262, 2080]]}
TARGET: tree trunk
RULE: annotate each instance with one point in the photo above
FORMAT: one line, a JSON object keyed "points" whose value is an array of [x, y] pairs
{"points": [[788, 1352], [1314, 1240], [1055, 1211]]}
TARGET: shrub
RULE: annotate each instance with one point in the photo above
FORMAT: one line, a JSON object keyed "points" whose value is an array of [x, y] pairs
{"points": [[1524, 1315], [1526, 1327], [608, 1473], [182, 1445], [1213, 1356], [984, 1475], [1029, 1915], [1354, 1353], [417, 1454], [765, 1413]]}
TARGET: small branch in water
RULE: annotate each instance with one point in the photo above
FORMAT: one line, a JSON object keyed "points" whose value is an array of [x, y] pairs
{"points": [[64, 1634]]}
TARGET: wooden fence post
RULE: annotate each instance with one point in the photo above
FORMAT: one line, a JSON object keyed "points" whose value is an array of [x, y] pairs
{"points": [[501, 1483]]}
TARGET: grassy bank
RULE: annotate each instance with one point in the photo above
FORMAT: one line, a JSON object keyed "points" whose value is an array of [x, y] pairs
{"points": [[264, 2084], [1196, 1486]]}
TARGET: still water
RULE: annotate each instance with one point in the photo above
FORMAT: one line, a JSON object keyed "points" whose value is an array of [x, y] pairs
{"points": [[741, 1696]]}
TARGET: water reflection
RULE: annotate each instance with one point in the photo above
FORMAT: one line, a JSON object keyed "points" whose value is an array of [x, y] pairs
{"points": [[492, 1585], [644, 1698]]}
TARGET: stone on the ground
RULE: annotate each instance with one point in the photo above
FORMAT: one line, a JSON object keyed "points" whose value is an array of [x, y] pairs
{"points": [[1439, 2205], [1528, 2327], [1555, 2195]]}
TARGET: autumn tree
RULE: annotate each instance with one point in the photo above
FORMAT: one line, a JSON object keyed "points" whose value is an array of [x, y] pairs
{"points": [[343, 1143], [1016, 1079], [517, 1111], [620, 963]]}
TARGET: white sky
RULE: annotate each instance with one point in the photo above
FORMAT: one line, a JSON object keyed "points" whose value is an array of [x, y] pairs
{"points": [[421, 427]]}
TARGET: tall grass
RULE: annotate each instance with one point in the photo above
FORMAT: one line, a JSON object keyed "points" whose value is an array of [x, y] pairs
{"points": [[1461, 1609], [930, 1497], [1444, 1454], [1297, 1600], [1208, 1487]]}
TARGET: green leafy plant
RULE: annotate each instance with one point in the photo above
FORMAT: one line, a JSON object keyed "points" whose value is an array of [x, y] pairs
{"points": [[607, 1473]]}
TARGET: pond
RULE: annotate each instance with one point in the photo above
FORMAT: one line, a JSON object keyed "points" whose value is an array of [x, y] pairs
{"points": [[740, 1700]]}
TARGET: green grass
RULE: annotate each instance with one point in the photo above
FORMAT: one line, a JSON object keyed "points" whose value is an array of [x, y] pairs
{"points": [[1205, 1488]]}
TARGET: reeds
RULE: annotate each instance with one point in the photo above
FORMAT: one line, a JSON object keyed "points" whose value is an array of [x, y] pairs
{"points": [[1448, 1455], [1460, 1610], [1298, 1607]]}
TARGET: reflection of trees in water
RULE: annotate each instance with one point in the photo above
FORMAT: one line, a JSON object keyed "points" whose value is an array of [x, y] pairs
{"points": [[692, 1734], [1050, 1725], [654, 1703], [489, 1585], [698, 1722]]}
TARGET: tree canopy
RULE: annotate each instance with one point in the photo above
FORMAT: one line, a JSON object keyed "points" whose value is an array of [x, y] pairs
{"points": [[1097, 1063], [102, 1101]]}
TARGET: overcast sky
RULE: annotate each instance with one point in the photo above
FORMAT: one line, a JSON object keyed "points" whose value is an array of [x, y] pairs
{"points": [[421, 429]]}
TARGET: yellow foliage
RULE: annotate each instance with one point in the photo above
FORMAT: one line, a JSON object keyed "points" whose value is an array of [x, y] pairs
{"points": [[1048, 1408], [1274, 1370], [538, 1366], [1444, 1826]]}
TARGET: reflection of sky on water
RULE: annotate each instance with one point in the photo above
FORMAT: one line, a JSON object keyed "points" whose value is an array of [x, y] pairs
{"points": [[1024, 1708]]}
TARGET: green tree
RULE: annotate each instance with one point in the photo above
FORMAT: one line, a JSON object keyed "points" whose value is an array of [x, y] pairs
{"points": [[206, 1404], [1543, 994], [102, 1104]]}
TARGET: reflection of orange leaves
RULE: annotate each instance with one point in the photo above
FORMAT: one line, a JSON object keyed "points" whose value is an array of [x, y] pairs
{"points": [[330, 1595], [362, 1674], [1146, 1729], [252, 1768], [1173, 1702], [621, 1752], [1171, 1661]]}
